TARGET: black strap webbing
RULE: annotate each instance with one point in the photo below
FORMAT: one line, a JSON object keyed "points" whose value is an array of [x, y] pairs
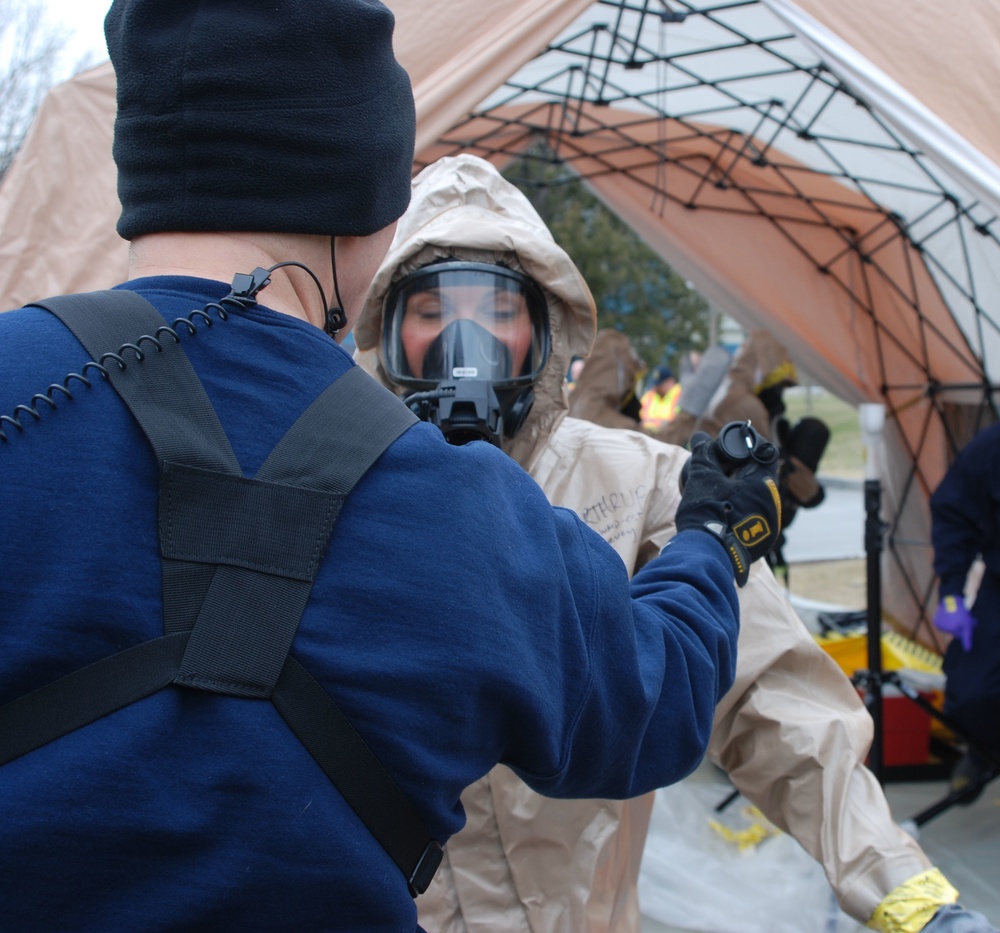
{"points": [[231, 610], [76, 700], [162, 392], [358, 774], [176, 416]]}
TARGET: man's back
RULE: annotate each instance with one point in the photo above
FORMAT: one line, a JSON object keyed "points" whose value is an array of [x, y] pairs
{"points": [[437, 621]]}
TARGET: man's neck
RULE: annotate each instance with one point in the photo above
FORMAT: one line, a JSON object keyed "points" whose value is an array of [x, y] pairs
{"points": [[219, 256]]}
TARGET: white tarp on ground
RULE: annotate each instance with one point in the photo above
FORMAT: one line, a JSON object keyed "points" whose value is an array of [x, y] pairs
{"points": [[698, 877]]}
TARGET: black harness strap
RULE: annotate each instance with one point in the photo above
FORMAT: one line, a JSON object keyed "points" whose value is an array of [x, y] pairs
{"points": [[240, 556], [167, 400], [80, 698], [162, 392], [357, 773]]}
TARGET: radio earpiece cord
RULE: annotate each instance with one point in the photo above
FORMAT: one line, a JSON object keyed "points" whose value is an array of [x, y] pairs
{"points": [[243, 295]]}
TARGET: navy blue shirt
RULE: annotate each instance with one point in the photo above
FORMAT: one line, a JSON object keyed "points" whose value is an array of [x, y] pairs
{"points": [[458, 620], [965, 510]]}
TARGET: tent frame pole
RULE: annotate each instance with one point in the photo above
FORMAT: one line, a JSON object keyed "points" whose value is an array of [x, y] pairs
{"points": [[874, 531]]}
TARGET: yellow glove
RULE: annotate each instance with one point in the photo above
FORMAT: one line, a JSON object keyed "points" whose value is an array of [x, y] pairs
{"points": [[911, 906]]}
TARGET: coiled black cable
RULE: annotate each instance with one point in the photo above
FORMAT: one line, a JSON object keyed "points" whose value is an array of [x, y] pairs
{"points": [[242, 303]]}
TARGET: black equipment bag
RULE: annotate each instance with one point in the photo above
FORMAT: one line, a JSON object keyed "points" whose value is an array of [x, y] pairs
{"points": [[235, 580]]}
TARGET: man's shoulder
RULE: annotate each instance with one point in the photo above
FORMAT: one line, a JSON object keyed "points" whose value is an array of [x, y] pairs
{"points": [[16, 318], [468, 471], [987, 438], [34, 341]]}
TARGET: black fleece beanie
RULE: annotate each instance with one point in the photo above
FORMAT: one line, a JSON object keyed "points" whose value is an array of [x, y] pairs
{"points": [[267, 116]]}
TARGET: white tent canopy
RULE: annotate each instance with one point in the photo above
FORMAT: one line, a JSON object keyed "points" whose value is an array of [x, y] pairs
{"points": [[826, 171]]}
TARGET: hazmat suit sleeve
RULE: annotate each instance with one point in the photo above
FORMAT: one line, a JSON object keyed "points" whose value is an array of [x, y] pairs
{"points": [[793, 735]]}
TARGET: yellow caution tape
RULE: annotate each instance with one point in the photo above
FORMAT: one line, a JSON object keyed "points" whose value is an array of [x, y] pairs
{"points": [[910, 907]]}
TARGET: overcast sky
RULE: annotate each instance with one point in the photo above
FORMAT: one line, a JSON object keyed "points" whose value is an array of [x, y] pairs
{"points": [[84, 21]]}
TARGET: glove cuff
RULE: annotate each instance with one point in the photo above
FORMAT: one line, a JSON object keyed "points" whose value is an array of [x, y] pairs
{"points": [[909, 907], [738, 555]]}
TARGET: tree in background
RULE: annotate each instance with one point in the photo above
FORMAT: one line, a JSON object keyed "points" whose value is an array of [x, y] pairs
{"points": [[29, 54], [635, 290]]}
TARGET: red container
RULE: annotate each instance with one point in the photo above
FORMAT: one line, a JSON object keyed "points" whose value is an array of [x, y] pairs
{"points": [[906, 732]]}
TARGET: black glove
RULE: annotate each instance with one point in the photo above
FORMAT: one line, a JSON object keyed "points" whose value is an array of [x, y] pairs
{"points": [[742, 510]]}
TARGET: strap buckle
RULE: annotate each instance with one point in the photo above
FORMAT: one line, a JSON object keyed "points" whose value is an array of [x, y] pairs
{"points": [[423, 874]]}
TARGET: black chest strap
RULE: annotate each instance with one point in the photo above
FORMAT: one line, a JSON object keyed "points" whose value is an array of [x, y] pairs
{"points": [[239, 559]]}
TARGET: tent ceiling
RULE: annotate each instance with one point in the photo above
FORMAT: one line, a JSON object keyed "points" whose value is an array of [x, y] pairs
{"points": [[722, 137], [734, 76]]}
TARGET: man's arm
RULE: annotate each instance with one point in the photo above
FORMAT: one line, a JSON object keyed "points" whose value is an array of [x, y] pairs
{"points": [[659, 657]]}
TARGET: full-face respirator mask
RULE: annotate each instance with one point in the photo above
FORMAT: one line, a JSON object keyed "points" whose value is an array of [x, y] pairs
{"points": [[469, 339]]}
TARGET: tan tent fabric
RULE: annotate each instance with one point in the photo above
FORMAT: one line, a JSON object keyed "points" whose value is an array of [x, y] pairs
{"points": [[59, 206], [458, 53], [908, 114], [58, 202], [940, 53]]}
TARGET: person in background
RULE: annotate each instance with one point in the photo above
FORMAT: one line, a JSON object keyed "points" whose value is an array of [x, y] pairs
{"points": [[659, 403], [791, 732], [607, 391], [749, 388], [965, 525]]}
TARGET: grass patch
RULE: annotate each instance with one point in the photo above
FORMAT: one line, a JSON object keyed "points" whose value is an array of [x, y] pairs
{"points": [[845, 453]]}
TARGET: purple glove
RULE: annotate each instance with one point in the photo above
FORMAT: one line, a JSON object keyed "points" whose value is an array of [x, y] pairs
{"points": [[952, 617]]}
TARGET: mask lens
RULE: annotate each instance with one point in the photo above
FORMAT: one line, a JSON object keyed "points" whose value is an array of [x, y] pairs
{"points": [[459, 320]]}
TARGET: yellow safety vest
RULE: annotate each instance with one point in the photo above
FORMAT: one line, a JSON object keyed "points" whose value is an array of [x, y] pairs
{"points": [[658, 409]]}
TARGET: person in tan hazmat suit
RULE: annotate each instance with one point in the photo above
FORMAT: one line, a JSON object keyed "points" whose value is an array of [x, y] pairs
{"points": [[747, 387], [791, 733], [610, 384]]}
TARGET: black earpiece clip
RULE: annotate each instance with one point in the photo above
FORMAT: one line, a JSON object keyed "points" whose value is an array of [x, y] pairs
{"points": [[246, 285]]}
